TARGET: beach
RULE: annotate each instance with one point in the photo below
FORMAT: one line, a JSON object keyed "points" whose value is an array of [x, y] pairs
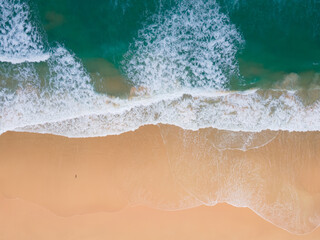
{"points": [[24, 220], [151, 183]]}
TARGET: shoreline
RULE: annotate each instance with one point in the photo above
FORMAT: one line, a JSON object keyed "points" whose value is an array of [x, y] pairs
{"points": [[249, 111]]}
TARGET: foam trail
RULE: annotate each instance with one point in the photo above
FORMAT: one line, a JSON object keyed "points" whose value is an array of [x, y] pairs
{"points": [[279, 181], [192, 45], [20, 39]]}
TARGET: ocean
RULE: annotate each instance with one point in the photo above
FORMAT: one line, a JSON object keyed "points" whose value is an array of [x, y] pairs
{"points": [[82, 70]]}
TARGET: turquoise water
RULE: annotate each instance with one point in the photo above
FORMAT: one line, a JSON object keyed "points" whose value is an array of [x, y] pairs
{"points": [[112, 66], [280, 36]]}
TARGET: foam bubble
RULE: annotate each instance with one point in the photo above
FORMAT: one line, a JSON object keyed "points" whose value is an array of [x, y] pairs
{"points": [[20, 39], [192, 45]]}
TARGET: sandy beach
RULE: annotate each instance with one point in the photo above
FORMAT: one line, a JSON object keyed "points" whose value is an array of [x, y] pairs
{"points": [[20, 219], [151, 183]]}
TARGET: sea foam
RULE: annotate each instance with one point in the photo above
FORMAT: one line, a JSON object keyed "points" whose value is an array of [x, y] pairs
{"points": [[237, 111], [192, 45], [20, 38]]}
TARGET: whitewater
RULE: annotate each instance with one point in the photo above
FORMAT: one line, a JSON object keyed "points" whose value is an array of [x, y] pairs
{"points": [[179, 67]]}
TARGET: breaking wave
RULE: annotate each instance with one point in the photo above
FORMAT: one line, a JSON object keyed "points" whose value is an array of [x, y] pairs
{"points": [[20, 38], [192, 45]]}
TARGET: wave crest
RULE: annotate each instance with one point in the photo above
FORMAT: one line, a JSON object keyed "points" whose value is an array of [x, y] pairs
{"points": [[20, 40], [192, 45]]}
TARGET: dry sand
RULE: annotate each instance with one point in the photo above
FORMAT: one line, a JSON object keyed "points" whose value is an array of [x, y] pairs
{"points": [[58, 188]]}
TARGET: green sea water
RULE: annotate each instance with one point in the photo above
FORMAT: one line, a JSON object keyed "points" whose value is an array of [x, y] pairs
{"points": [[281, 37]]}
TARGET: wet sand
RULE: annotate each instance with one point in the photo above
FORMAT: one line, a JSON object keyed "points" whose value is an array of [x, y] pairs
{"points": [[53, 187], [23, 220]]}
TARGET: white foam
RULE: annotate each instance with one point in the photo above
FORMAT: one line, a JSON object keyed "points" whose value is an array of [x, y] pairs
{"points": [[30, 58], [234, 111], [66, 93], [20, 39], [66, 104], [192, 45]]}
